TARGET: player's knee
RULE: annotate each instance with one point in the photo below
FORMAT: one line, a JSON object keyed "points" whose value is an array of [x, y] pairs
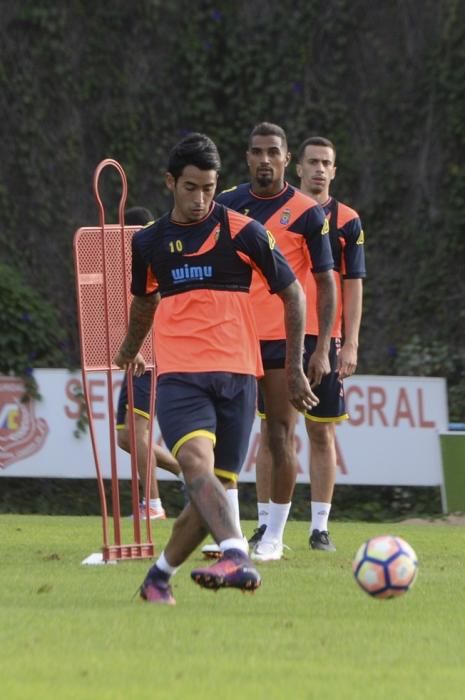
{"points": [[193, 463], [281, 442], [321, 434], [280, 432], [122, 439]]}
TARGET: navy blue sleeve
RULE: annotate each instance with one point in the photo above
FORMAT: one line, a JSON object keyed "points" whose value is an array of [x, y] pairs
{"points": [[258, 245], [226, 197], [314, 226], [143, 282], [354, 250]]}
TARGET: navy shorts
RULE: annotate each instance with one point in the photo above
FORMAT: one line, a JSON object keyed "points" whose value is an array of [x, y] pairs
{"points": [[216, 405], [273, 357], [332, 407], [141, 394], [273, 354]]}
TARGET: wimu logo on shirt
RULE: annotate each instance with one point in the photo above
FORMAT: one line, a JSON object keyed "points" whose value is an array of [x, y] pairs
{"points": [[191, 272]]}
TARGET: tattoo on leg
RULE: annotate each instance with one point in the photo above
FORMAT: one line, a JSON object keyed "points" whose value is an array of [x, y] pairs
{"points": [[210, 500]]}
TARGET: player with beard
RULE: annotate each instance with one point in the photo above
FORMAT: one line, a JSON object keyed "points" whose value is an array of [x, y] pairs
{"points": [[299, 226]]}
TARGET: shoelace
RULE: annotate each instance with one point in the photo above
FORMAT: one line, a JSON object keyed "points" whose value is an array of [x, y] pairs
{"points": [[324, 536]]}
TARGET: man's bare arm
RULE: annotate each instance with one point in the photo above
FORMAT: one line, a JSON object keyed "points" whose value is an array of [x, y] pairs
{"points": [[326, 310], [301, 396], [293, 299], [326, 306], [140, 322], [352, 295]]}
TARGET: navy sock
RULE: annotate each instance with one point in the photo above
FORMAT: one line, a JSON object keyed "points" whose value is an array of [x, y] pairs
{"points": [[235, 554], [155, 572]]}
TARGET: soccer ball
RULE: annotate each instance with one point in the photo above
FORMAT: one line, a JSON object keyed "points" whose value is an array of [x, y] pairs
{"points": [[385, 566]]}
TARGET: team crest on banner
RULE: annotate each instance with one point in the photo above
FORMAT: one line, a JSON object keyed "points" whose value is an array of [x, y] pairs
{"points": [[21, 432], [285, 217]]}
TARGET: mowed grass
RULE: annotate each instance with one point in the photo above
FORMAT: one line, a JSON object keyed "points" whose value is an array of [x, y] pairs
{"points": [[69, 631]]}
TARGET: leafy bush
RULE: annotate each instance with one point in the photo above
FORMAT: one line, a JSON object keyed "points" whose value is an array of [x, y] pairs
{"points": [[80, 497], [31, 335], [434, 358]]}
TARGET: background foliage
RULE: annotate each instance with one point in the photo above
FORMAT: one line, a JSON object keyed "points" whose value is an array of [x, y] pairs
{"points": [[384, 80], [80, 497], [30, 332]]}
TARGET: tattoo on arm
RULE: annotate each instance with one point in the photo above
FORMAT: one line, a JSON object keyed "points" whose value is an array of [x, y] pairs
{"points": [[140, 322], [294, 317]]}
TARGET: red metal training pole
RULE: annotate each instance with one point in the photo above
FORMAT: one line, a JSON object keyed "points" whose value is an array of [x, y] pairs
{"points": [[109, 372]]}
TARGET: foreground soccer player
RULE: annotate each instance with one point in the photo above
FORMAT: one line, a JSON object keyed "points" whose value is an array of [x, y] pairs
{"points": [[194, 266]]}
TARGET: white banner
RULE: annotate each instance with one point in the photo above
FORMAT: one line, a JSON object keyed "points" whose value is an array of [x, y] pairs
{"points": [[390, 439]]}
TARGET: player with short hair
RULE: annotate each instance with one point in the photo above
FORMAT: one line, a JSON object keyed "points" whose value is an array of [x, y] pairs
{"points": [[316, 168], [151, 504], [193, 267], [298, 225]]}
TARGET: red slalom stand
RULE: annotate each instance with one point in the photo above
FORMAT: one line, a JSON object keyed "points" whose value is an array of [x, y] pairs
{"points": [[102, 259]]}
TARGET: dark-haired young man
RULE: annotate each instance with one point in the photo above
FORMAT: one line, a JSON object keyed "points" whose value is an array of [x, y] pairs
{"points": [[298, 225], [151, 505], [194, 267], [316, 158]]}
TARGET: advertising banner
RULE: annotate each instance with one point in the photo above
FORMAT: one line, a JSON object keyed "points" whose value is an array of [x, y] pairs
{"points": [[391, 438]]}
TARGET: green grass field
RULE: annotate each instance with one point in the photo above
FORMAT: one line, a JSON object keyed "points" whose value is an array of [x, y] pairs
{"points": [[75, 632]]}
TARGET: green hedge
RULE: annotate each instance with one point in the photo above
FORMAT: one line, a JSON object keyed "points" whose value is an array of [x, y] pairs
{"points": [[80, 497], [83, 81]]}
